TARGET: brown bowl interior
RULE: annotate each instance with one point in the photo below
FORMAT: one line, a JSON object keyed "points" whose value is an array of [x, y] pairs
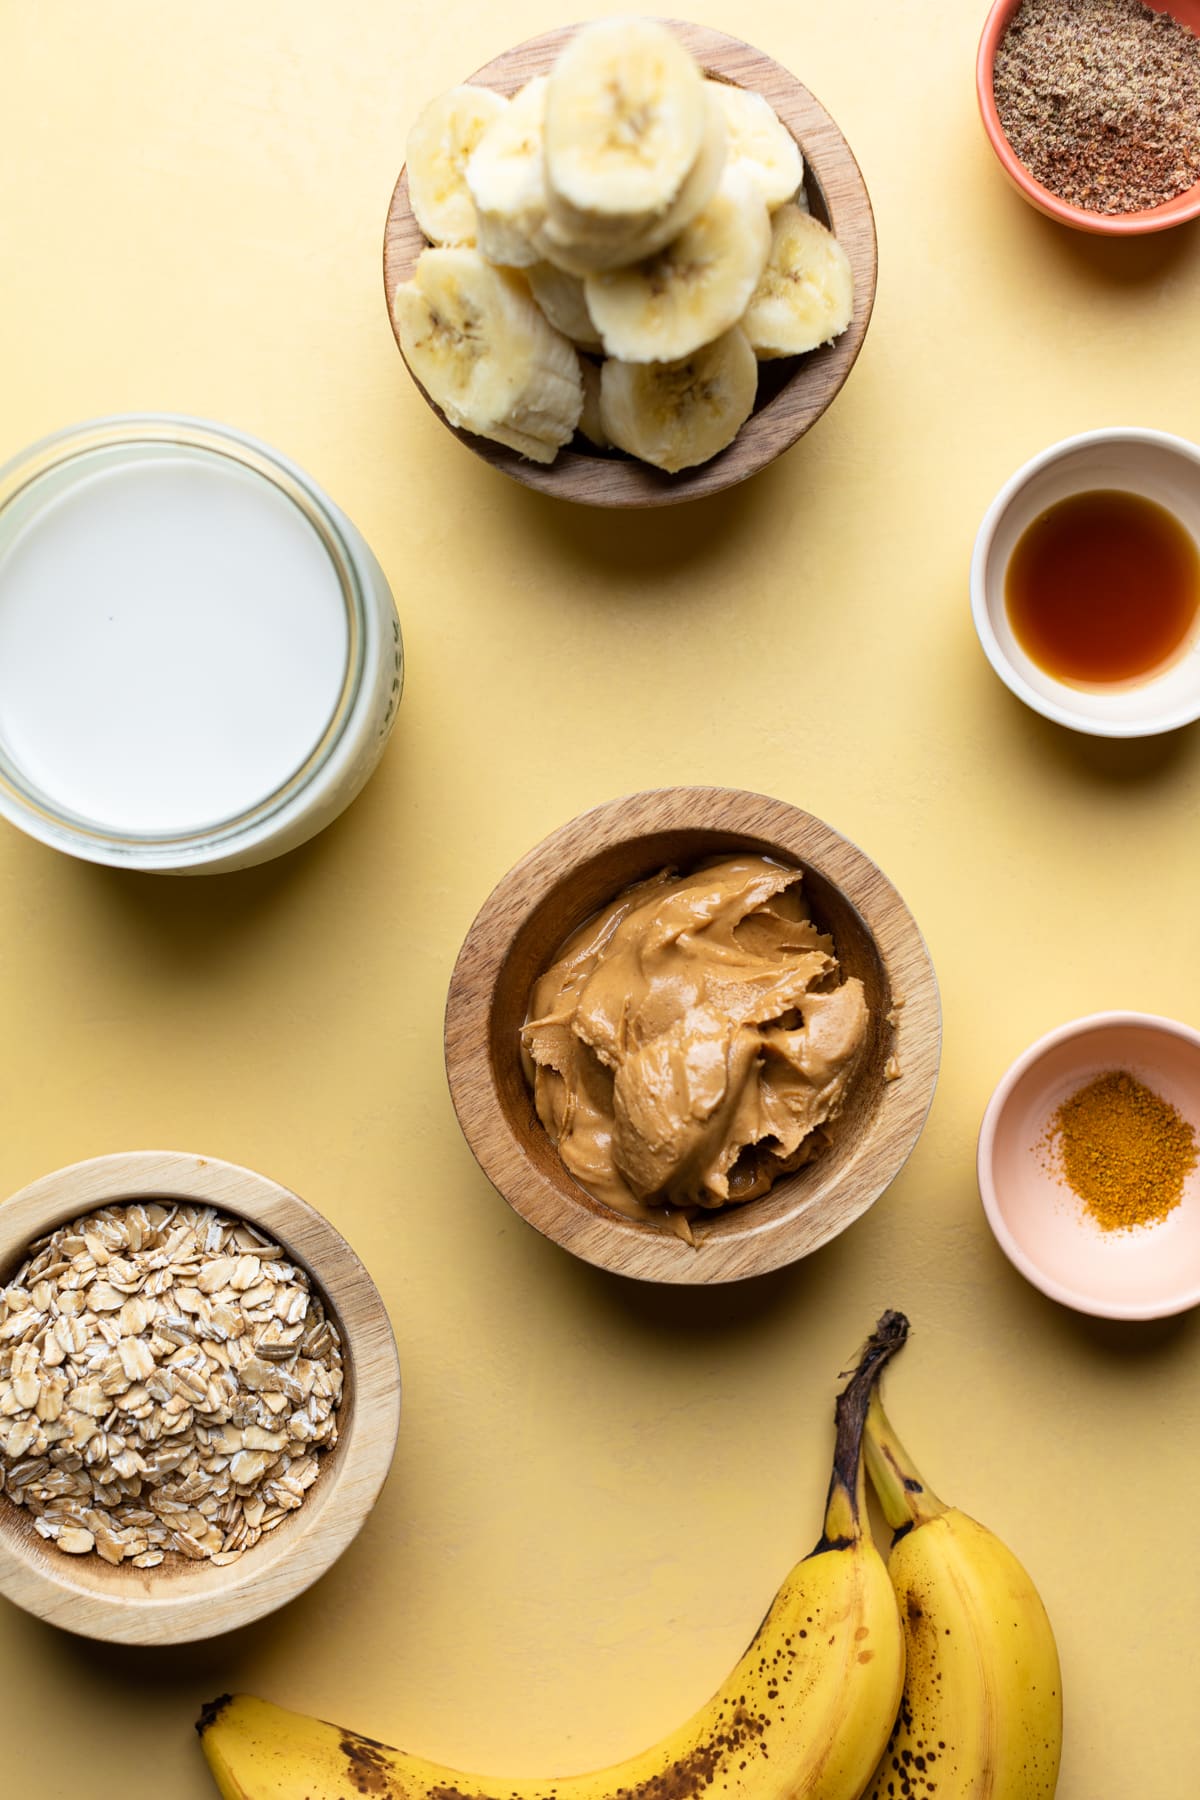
{"points": [[591, 884], [111, 1581]]}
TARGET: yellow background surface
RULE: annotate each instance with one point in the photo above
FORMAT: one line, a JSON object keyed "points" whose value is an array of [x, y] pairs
{"points": [[599, 1485]]}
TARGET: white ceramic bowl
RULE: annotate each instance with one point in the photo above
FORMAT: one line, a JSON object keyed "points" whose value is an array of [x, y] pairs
{"points": [[1044, 1230], [1150, 463]]}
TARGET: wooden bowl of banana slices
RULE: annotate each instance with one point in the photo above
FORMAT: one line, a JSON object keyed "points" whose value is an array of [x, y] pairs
{"points": [[629, 263]]}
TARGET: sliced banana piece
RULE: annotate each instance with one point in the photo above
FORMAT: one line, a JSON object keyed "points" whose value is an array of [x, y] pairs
{"points": [[586, 253], [806, 295], [625, 118], [760, 142], [562, 299], [695, 288], [591, 422], [700, 183], [440, 145], [481, 349], [675, 415], [506, 179]]}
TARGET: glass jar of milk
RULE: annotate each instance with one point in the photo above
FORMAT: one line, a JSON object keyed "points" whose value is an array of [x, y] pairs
{"points": [[200, 659]]}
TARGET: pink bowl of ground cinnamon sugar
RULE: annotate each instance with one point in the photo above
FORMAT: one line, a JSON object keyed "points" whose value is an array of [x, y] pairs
{"points": [[1093, 109], [1089, 1165]]}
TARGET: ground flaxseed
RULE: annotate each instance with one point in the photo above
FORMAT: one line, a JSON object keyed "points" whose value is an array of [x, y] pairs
{"points": [[1100, 99], [1123, 1149]]}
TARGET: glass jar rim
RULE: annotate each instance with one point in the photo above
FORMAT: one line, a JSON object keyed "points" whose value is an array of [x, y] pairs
{"points": [[20, 799]]}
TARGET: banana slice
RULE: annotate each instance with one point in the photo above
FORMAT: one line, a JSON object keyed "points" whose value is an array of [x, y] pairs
{"points": [[440, 145], [484, 354], [675, 415], [625, 118], [562, 299], [591, 422], [693, 289], [760, 142], [506, 180], [699, 185], [806, 295], [587, 254]]}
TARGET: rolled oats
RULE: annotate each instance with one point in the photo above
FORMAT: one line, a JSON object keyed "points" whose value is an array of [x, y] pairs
{"points": [[75, 1540], [168, 1383]]}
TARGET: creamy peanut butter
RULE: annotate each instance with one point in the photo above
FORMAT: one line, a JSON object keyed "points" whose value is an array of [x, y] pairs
{"points": [[691, 1039]]}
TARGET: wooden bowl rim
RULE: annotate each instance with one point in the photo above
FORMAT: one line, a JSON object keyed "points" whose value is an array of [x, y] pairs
{"points": [[558, 1208], [188, 1605], [598, 480]]}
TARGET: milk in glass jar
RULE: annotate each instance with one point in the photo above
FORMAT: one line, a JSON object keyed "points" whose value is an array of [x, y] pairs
{"points": [[200, 658]]}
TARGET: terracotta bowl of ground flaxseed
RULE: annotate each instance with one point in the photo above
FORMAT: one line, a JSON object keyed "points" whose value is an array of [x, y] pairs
{"points": [[199, 1397], [1110, 1102], [1130, 173]]}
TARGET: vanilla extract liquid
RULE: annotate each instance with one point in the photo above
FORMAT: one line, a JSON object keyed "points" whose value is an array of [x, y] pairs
{"points": [[1103, 589]]}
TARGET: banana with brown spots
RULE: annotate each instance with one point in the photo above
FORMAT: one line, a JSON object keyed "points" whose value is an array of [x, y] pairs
{"points": [[981, 1717], [804, 1715]]}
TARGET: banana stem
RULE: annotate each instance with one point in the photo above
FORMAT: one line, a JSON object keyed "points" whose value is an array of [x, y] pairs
{"points": [[906, 1498], [847, 1485]]}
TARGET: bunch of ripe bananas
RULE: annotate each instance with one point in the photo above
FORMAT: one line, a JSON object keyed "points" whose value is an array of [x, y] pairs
{"points": [[625, 209], [933, 1676]]}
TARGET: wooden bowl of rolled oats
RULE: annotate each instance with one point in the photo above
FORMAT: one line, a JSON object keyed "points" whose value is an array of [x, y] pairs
{"points": [[199, 1397]]}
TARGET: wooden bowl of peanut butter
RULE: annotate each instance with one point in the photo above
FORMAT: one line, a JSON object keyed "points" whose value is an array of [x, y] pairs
{"points": [[693, 1035]]}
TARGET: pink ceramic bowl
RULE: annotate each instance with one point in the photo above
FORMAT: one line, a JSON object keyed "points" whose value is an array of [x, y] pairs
{"points": [[1174, 212], [1043, 1229]]}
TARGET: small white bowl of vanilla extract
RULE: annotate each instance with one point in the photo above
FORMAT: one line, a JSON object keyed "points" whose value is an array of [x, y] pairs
{"points": [[1085, 583]]}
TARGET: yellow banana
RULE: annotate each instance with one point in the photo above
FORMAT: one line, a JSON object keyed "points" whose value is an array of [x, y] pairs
{"points": [[806, 1712], [981, 1716]]}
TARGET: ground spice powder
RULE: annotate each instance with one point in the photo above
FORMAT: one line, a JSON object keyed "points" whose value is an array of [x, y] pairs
{"points": [[1123, 1149], [1100, 99]]}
